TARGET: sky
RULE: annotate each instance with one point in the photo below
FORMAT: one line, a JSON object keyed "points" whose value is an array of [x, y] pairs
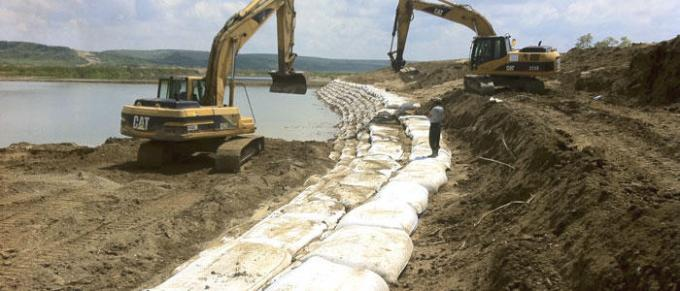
{"points": [[357, 29]]}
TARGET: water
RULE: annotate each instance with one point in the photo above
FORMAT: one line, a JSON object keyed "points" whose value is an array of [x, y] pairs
{"points": [[89, 113]]}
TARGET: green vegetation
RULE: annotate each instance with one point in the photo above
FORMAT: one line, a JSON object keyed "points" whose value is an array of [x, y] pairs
{"points": [[92, 72], [25, 53], [258, 62], [586, 41], [21, 59]]}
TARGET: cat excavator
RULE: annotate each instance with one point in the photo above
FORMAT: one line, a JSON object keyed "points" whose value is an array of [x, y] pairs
{"points": [[493, 60], [189, 116]]}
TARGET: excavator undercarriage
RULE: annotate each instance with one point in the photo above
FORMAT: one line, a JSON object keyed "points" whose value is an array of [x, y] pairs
{"points": [[488, 85], [229, 153]]}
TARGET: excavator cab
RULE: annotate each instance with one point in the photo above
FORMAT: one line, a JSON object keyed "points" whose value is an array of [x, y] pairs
{"points": [[486, 49], [181, 88]]}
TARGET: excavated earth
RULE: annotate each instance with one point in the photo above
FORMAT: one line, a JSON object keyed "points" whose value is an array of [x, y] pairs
{"points": [[558, 191], [79, 218]]}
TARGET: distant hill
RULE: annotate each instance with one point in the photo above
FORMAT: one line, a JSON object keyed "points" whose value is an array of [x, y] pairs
{"points": [[26, 53], [22, 53]]}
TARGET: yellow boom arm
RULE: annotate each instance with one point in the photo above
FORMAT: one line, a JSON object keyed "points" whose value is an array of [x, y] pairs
{"points": [[462, 14], [235, 33]]}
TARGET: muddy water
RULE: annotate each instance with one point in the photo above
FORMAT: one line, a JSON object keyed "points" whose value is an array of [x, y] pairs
{"points": [[89, 113]]}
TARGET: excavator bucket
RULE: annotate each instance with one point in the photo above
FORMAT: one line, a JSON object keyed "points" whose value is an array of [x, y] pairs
{"points": [[289, 83]]}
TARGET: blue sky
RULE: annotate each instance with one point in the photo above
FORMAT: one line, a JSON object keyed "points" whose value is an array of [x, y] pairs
{"points": [[328, 28]]}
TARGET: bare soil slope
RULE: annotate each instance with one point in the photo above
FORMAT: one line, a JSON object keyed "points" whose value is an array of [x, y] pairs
{"points": [[81, 218], [555, 191]]}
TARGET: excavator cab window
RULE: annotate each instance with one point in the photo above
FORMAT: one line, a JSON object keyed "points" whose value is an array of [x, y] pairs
{"points": [[198, 87], [486, 49], [172, 89]]}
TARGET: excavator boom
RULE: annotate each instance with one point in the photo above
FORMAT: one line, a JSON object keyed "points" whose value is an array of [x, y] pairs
{"points": [[462, 14], [235, 33]]}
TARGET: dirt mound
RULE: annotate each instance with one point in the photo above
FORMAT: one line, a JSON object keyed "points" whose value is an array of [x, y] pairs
{"points": [[595, 69], [425, 75], [585, 200], [639, 75], [654, 74], [79, 218]]}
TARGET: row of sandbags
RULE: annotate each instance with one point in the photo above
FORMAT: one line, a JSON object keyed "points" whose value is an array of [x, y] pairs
{"points": [[371, 244], [272, 245]]}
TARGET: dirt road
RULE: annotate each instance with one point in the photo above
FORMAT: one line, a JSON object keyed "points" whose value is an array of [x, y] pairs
{"points": [[87, 218]]}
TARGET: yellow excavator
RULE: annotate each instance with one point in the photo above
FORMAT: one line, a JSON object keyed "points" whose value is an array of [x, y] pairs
{"points": [[493, 60], [188, 114]]}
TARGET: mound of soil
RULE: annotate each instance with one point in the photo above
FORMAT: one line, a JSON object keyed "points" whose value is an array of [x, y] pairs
{"points": [[654, 74], [639, 75], [555, 191], [595, 69], [425, 75], [80, 218], [586, 200]]}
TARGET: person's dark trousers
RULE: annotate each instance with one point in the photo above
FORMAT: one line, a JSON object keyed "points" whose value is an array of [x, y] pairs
{"points": [[435, 133]]}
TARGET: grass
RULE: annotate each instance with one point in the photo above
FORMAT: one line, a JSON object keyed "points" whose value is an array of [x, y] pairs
{"points": [[123, 73]]}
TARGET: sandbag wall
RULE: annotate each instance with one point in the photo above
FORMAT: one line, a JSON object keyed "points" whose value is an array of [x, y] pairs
{"points": [[347, 230]]}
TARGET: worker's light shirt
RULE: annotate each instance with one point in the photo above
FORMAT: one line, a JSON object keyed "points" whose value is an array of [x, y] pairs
{"points": [[437, 114]]}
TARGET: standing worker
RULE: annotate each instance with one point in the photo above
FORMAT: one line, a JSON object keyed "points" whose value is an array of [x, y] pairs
{"points": [[436, 118]]}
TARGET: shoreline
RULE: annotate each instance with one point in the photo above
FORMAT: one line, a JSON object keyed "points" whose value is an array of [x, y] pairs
{"points": [[312, 82]]}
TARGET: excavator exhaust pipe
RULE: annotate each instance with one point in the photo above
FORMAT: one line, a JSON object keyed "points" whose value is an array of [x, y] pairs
{"points": [[288, 83]]}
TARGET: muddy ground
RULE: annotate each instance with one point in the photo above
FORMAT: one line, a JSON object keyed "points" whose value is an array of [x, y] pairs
{"points": [[582, 194], [78, 218]]}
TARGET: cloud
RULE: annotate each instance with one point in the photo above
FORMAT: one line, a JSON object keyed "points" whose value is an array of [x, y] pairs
{"points": [[327, 28]]}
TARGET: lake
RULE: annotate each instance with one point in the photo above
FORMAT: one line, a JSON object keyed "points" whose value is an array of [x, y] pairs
{"points": [[89, 113]]}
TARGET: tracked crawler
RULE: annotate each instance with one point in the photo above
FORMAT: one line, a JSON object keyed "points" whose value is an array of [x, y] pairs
{"points": [[188, 114]]}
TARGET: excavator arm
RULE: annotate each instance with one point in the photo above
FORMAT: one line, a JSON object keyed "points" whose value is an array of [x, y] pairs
{"points": [[462, 14], [234, 35]]}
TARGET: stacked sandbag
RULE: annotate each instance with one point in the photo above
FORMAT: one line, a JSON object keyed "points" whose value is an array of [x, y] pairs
{"points": [[233, 266], [384, 251], [320, 274], [343, 234]]}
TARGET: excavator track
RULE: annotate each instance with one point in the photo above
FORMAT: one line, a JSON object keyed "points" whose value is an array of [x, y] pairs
{"points": [[229, 154], [479, 84], [486, 85], [237, 151]]}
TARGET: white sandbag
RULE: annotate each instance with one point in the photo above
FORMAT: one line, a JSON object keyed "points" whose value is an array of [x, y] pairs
{"points": [[285, 232], [383, 131], [431, 177], [362, 149], [410, 193], [381, 250], [382, 213], [392, 149], [381, 163], [425, 164], [420, 135], [319, 274], [238, 266], [348, 195], [326, 211], [366, 179]]}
